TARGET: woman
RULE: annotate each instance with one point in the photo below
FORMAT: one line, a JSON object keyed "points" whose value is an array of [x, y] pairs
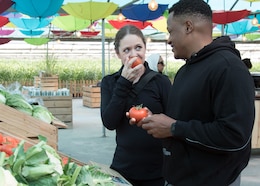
{"points": [[138, 156], [155, 62]]}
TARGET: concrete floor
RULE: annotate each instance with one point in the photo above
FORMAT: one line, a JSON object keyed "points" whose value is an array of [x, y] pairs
{"points": [[88, 141]]}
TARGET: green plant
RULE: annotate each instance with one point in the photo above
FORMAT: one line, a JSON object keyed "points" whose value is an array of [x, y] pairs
{"points": [[50, 62]]}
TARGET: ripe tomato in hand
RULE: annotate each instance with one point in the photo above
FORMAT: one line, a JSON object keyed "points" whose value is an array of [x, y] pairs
{"points": [[136, 62], [138, 112]]}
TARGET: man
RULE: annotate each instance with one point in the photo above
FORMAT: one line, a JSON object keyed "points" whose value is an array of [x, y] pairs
{"points": [[210, 114]]}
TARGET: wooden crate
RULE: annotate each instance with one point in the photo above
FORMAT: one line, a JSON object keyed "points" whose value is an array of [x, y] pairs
{"points": [[49, 83], [37, 82], [60, 107], [256, 129], [26, 127], [91, 96]]}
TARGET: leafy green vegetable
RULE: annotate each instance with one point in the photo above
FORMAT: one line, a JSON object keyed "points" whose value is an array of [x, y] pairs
{"points": [[2, 98], [39, 164], [18, 102], [6, 178], [42, 113]]}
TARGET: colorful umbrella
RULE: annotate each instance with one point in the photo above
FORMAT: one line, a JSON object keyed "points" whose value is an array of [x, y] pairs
{"points": [[30, 23], [61, 33], [3, 21], [252, 36], [36, 41], [239, 27], [119, 24], [160, 24], [90, 10], [5, 4], [251, 1], [5, 32], [70, 23], [32, 32], [89, 33], [224, 17], [12, 14], [141, 12], [4, 40], [38, 8]]}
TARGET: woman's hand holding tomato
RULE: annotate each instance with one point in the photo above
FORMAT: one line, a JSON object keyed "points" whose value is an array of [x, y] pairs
{"points": [[136, 62], [131, 73]]}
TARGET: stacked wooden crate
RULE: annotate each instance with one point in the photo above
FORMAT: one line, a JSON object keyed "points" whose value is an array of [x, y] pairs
{"points": [[91, 96], [26, 127], [49, 83], [60, 107]]}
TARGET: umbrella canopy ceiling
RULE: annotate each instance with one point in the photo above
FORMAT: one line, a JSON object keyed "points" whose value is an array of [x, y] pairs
{"points": [[159, 24], [38, 8], [70, 23], [90, 10], [141, 12]]}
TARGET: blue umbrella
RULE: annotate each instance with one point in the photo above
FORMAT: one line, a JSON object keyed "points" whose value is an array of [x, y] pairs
{"points": [[38, 8], [30, 23], [141, 12], [32, 32]]}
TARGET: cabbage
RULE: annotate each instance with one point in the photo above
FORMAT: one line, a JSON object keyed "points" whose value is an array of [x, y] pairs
{"points": [[6, 178], [2, 98], [42, 113], [18, 102]]}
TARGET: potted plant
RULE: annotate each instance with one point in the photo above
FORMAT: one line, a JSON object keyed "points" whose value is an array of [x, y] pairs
{"points": [[47, 79]]}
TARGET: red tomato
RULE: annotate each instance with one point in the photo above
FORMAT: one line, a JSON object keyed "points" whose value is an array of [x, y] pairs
{"points": [[138, 112], [136, 62], [1, 139]]}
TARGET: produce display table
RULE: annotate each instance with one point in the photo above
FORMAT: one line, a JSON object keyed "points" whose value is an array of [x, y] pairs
{"points": [[26, 127]]}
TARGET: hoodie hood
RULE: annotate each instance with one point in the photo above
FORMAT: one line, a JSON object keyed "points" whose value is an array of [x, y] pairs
{"points": [[220, 43], [152, 61]]}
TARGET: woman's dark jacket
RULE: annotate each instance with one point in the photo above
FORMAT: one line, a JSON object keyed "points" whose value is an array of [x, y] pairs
{"points": [[138, 155], [212, 99]]}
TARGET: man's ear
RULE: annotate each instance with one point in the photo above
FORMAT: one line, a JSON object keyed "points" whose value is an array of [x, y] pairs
{"points": [[189, 26]]}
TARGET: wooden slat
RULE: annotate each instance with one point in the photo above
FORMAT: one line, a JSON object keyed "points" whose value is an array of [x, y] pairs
{"points": [[22, 124]]}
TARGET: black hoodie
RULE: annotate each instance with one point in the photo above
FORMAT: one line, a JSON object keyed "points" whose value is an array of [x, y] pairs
{"points": [[212, 99]]}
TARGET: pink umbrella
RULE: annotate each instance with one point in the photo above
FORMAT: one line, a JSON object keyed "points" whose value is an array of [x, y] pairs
{"points": [[118, 24], [6, 32]]}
